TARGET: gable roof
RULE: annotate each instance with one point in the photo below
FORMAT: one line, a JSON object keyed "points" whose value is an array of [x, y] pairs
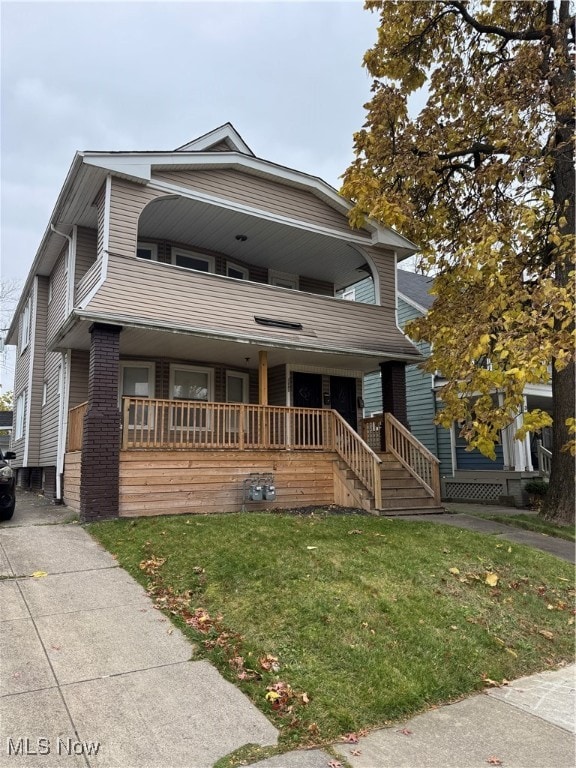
{"points": [[414, 289], [225, 135]]}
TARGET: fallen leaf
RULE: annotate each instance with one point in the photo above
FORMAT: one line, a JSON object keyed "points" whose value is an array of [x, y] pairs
{"points": [[355, 752], [545, 633], [39, 574], [494, 761], [405, 732], [356, 530], [491, 579], [311, 547], [334, 764], [455, 571], [350, 738]]}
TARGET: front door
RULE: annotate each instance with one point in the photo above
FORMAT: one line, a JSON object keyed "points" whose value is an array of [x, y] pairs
{"points": [[343, 398], [307, 390]]}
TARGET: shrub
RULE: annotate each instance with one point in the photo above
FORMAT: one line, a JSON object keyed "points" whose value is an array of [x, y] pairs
{"points": [[536, 488]]}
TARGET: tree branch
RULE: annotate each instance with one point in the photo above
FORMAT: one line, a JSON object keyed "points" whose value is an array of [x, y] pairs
{"points": [[507, 34]]}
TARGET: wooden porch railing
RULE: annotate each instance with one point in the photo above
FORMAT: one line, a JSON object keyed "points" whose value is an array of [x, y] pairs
{"points": [[544, 459], [179, 424], [358, 456], [371, 431], [415, 457], [75, 427]]}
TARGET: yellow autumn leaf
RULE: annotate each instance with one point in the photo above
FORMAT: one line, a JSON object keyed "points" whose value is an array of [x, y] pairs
{"points": [[455, 571], [39, 574], [491, 579], [272, 696]]}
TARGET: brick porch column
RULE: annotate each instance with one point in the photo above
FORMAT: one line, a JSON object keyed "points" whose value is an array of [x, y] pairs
{"points": [[99, 480], [394, 393]]}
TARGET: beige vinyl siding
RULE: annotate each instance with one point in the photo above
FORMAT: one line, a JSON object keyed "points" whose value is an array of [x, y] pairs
{"points": [[386, 265], [260, 193], [40, 311], [222, 146], [86, 252], [277, 385], [57, 307], [100, 203], [126, 204], [50, 413], [210, 303], [78, 378], [88, 282]]}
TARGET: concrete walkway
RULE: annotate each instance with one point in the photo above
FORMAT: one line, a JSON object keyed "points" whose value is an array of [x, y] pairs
{"points": [[92, 675]]}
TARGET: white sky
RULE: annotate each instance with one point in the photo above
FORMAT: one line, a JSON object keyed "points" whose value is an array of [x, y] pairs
{"points": [[154, 75]]}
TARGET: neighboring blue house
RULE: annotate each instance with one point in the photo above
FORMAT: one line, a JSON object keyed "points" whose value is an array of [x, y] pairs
{"points": [[466, 475]]}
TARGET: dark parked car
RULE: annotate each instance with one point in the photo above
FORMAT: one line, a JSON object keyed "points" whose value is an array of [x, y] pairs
{"points": [[7, 486]]}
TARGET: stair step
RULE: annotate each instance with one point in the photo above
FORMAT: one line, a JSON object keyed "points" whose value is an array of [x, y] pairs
{"points": [[400, 511], [399, 482], [407, 502]]}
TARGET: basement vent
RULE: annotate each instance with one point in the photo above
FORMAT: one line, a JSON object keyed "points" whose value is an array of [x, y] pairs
{"points": [[272, 323]]}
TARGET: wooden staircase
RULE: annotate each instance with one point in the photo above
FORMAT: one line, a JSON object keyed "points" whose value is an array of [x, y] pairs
{"points": [[403, 494]]}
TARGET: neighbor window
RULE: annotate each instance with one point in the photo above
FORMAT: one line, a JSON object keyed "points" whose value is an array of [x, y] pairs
{"points": [[349, 294]]}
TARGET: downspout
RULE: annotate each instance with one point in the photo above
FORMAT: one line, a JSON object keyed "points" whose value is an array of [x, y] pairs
{"points": [[65, 383]]}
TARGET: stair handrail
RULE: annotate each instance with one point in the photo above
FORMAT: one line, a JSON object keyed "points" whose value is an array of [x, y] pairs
{"points": [[415, 457], [358, 456], [544, 459]]}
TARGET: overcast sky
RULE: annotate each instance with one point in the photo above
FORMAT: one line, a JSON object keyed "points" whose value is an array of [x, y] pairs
{"points": [[154, 75]]}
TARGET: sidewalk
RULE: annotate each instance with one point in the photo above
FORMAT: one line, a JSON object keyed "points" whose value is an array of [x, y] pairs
{"points": [[92, 675]]}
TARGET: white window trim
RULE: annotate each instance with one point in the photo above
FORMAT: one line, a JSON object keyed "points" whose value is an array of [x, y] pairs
{"points": [[245, 389], [153, 250], [20, 415], [137, 364], [26, 325], [285, 277], [238, 268], [211, 261]]}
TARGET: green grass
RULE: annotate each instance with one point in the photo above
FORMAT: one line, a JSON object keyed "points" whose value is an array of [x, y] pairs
{"points": [[363, 614], [535, 523]]}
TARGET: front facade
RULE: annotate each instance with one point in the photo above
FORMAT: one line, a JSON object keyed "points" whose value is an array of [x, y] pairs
{"points": [[180, 332], [466, 475]]}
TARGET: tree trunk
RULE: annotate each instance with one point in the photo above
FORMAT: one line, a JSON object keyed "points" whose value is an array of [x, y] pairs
{"points": [[560, 499]]}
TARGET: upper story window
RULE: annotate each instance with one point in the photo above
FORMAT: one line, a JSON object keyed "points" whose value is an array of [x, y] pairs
{"points": [[25, 326], [283, 280], [192, 260], [235, 270], [147, 251]]}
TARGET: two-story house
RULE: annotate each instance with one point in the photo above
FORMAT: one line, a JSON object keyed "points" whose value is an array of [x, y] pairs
{"points": [[181, 346]]}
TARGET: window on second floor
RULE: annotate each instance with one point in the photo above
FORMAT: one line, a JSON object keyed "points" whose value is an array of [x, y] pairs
{"points": [[192, 260], [25, 326], [235, 270], [147, 251]]}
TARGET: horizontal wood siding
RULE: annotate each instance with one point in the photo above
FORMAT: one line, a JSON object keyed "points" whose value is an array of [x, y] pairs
{"points": [[263, 194], [444, 441], [181, 482], [100, 203], [127, 201], [50, 418], [207, 303], [385, 264], [38, 349], [372, 393], [86, 254], [420, 399], [71, 491], [78, 378]]}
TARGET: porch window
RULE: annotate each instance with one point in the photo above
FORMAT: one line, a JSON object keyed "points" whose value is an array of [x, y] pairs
{"points": [[190, 383], [283, 280], [20, 416], [147, 251], [236, 271], [137, 380], [191, 260]]}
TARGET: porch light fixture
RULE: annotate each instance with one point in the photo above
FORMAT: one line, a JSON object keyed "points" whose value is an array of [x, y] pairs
{"points": [[242, 238]]}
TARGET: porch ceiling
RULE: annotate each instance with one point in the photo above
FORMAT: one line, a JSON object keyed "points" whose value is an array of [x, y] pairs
{"points": [[149, 343], [268, 243]]}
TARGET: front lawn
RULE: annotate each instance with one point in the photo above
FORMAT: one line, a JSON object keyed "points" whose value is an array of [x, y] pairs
{"points": [[335, 624]]}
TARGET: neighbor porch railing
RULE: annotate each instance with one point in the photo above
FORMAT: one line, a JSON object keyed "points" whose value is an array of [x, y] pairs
{"points": [[75, 427], [544, 459], [415, 457]]}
